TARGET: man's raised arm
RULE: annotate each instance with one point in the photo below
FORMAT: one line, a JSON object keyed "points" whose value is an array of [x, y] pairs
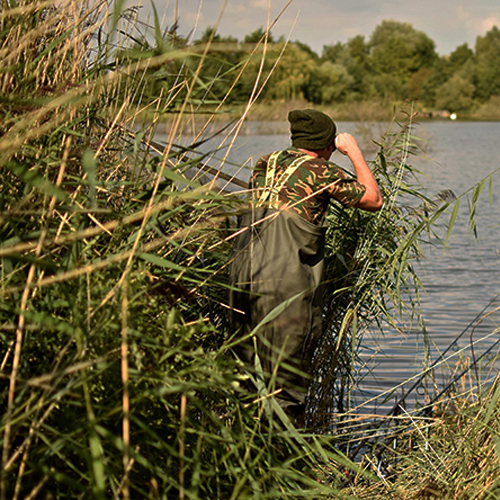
{"points": [[372, 199]]}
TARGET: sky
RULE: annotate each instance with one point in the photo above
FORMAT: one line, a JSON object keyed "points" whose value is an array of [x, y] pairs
{"points": [[325, 22]]}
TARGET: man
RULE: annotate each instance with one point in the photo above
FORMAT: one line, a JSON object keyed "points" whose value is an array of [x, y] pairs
{"points": [[277, 260]]}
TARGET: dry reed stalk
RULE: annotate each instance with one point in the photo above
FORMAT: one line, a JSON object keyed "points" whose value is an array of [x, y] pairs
{"points": [[25, 447], [47, 216], [88, 269], [126, 395], [13, 376], [182, 446], [17, 359], [87, 233], [34, 492]]}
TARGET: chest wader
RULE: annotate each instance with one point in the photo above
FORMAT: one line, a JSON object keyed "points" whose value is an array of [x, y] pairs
{"points": [[279, 256]]}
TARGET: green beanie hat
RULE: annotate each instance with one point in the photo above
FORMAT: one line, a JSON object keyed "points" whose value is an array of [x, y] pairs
{"points": [[311, 129]]}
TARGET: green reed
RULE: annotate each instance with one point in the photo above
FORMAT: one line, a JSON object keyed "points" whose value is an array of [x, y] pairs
{"points": [[116, 372], [116, 376]]}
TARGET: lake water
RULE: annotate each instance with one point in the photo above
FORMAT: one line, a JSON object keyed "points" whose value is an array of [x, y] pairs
{"points": [[460, 285]]}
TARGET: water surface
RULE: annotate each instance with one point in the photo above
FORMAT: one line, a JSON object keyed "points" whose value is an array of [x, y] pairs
{"points": [[460, 284]]}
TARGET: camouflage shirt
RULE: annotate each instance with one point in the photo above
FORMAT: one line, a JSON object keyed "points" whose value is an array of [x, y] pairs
{"points": [[311, 186]]}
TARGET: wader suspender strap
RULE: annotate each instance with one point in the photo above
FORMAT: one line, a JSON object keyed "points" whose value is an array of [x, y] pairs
{"points": [[272, 190]]}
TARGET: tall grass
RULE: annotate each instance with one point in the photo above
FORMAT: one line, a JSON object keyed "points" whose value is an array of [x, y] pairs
{"points": [[452, 453], [116, 375]]}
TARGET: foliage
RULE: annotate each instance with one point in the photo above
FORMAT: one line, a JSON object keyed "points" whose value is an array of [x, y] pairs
{"points": [[116, 373], [328, 83], [369, 267], [455, 95], [397, 62], [451, 453], [487, 65]]}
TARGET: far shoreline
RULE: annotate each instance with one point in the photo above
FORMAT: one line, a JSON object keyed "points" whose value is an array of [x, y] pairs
{"points": [[356, 111]]}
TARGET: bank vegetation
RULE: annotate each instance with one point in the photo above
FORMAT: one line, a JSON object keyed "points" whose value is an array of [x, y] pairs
{"points": [[117, 372], [359, 79]]}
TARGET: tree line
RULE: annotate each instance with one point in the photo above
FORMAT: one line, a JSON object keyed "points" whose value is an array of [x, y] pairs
{"points": [[395, 62]]}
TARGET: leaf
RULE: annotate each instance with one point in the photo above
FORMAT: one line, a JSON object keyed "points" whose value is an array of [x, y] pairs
{"points": [[476, 191], [89, 164], [117, 13], [158, 261], [33, 178], [451, 222], [96, 453], [277, 311], [53, 44], [496, 440], [138, 141], [492, 405], [160, 42], [176, 177], [346, 321], [48, 321]]}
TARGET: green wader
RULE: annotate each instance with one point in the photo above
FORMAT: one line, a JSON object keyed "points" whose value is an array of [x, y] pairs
{"points": [[278, 256]]}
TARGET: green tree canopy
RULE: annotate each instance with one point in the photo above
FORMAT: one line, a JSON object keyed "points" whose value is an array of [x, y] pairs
{"points": [[355, 58], [421, 47], [455, 95], [398, 51], [328, 83], [396, 61], [210, 34], [292, 74], [488, 64], [331, 53], [258, 35], [460, 56]]}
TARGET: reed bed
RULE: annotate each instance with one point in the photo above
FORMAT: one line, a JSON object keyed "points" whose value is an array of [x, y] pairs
{"points": [[116, 374]]}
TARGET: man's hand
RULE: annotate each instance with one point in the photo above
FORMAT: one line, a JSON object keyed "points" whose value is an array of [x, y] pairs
{"points": [[346, 144]]}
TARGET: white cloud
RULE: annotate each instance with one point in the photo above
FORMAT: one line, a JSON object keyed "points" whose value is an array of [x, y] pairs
{"points": [[324, 22], [462, 14], [476, 22], [491, 21], [234, 9], [260, 4]]}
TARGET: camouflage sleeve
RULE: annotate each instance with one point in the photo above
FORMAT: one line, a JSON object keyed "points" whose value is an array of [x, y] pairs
{"points": [[339, 184], [346, 190]]}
